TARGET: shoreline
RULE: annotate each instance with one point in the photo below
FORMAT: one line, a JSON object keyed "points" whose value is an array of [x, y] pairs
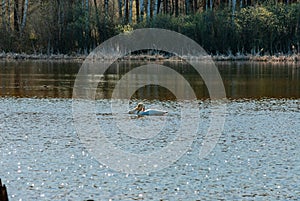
{"points": [[80, 58]]}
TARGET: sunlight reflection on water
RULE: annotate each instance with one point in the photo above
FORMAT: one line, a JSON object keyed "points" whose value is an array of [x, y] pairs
{"points": [[257, 156]]}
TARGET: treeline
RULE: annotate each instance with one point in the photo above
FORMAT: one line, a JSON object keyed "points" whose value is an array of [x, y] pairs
{"points": [[220, 26]]}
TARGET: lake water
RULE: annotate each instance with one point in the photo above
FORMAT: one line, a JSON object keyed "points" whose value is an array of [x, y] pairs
{"points": [[257, 157], [241, 79]]}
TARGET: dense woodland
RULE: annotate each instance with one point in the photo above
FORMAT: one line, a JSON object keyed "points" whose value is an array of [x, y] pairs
{"points": [[220, 26]]}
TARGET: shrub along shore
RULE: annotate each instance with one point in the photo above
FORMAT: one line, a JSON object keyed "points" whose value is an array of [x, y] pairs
{"points": [[80, 58]]}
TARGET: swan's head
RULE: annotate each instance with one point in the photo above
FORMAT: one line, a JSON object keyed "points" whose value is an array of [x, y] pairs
{"points": [[138, 108]]}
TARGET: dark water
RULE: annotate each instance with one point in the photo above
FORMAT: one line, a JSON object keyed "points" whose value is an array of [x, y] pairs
{"points": [[241, 79]]}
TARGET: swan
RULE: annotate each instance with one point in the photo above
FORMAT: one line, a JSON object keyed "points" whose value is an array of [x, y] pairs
{"points": [[140, 110]]}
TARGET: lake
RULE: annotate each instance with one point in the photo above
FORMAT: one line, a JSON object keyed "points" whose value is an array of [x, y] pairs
{"points": [[42, 79], [257, 156]]}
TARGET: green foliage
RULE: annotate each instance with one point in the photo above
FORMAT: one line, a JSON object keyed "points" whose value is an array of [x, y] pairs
{"points": [[212, 30], [124, 28], [255, 25], [68, 27], [268, 28]]}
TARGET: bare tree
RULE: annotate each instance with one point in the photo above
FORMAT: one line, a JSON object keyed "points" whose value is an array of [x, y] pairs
{"points": [[8, 14], [195, 6], [16, 16], [3, 13], [97, 13], [25, 9], [59, 20], [87, 25], [176, 8], [148, 3], [155, 8], [187, 6], [158, 6], [130, 11], [142, 10], [137, 10], [120, 5], [126, 11], [233, 6], [166, 6], [106, 7]]}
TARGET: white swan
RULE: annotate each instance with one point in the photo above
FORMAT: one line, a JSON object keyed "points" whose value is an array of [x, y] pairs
{"points": [[140, 110]]}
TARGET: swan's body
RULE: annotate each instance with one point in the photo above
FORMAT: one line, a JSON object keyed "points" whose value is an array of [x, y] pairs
{"points": [[140, 110], [148, 112]]}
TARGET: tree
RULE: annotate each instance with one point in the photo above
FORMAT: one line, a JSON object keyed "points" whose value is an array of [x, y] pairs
{"points": [[130, 11], [120, 8], [25, 9], [142, 10], [16, 16], [137, 10], [176, 8], [3, 14], [126, 11]]}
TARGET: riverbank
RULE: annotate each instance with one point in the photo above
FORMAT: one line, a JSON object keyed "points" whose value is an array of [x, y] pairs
{"points": [[81, 58]]}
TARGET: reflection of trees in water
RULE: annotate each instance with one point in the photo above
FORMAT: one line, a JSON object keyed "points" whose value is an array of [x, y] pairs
{"points": [[150, 92], [38, 79], [241, 80], [258, 80]]}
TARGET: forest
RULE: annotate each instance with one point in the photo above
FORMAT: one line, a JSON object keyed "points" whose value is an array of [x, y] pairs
{"points": [[219, 26]]}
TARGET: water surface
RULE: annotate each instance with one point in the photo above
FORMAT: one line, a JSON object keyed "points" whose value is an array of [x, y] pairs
{"points": [[241, 79], [256, 158]]}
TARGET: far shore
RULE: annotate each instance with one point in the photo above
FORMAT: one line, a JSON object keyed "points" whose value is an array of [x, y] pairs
{"points": [[80, 58]]}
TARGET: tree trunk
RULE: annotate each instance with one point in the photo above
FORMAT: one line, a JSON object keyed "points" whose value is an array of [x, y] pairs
{"points": [[195, 6], [166, 6], [87, 26], [130, 11], [148, 9], [97, 14], [120, 8], [233, 7], [98, 21], [151, 8], [25, 9], [22, 11], [187, 6], [244, 3], [16, 17], [61, 24], [59, 21], [8, 14], [106, 7], [176, 8], [137, 10], [155, 8], [158, 6], [3, 14], [142, 10], [126, 11]]}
